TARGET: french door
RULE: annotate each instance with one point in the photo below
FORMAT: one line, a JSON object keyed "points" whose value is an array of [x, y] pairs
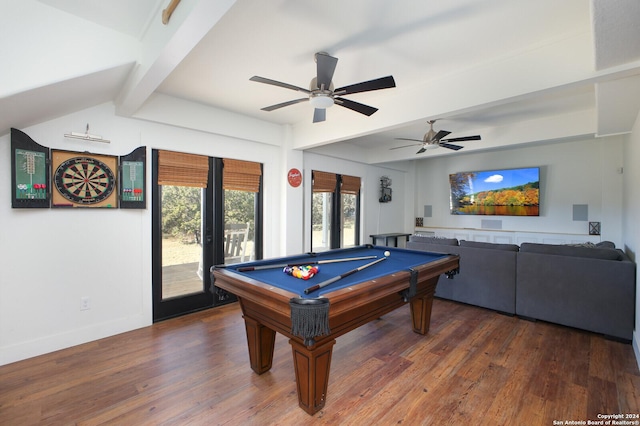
{"points": [[197, 223], [335, 211]]}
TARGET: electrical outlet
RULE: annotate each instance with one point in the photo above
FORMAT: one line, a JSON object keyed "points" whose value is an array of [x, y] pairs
{"points": [[85, 303]]}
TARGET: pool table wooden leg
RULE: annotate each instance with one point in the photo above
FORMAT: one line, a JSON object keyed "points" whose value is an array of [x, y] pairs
{"points": [[312, 374], [261, 341], [421, 313]]}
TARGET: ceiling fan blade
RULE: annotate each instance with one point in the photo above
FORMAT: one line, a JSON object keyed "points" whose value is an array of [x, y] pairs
{"points": [[284, 104], [356, 106], [464, 138], [319, 114], [423, 149], [441, 134], [448, 145], [405, 146], [367, 86], [326, 65], [407, 139], [279, 84]]}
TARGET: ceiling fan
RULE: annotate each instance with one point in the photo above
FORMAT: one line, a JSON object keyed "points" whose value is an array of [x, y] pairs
{"points": [[432, 140], [321, 92]]}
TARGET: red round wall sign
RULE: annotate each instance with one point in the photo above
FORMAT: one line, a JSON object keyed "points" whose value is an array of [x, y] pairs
{"points": [[294, 177]]}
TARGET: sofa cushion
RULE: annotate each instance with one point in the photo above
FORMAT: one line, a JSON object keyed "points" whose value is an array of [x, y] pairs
{"points": [[434, 240], [561, 250], [494, 246]]}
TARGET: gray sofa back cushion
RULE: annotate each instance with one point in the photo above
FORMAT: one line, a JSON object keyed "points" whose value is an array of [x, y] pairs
{"points": [[560, 250], [493, 246]]}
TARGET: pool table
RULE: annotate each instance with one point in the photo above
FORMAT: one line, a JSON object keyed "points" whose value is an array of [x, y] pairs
{"points": [[273, 301]]}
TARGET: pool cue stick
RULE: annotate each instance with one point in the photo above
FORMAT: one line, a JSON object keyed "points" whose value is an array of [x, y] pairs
{"points": [[339, 277], [317, 262]]}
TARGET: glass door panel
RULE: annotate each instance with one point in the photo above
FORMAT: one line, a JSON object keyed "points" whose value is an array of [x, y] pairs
{"points": [[321, 208], [239, 226], [182, 269], [348, 220]]}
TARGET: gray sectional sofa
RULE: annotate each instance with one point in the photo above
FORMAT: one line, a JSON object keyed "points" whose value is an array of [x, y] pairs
{"points": [[591, 288]]}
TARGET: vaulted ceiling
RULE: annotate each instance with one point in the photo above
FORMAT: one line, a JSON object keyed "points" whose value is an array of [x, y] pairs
{"points": [[514, 72]]}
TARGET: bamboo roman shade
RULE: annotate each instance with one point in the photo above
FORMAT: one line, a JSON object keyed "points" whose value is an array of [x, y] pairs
{"points": [[241, 175], [350, 185], [180, 169], [324, 182]]}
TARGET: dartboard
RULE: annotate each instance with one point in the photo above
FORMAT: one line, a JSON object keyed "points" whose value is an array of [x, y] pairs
{"points": [[84, 180]]}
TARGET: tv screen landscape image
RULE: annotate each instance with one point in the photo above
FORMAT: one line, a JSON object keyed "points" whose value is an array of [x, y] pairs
{"points": [[508, 192]]}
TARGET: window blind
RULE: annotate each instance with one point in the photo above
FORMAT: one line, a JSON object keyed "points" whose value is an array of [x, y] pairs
{"points": [[180, 169], [241, 175], [350, 185], [324, 182]]}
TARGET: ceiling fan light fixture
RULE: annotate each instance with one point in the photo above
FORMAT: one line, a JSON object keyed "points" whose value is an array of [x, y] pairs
{"points": [[433, 140], [321, 100], [321, 94]]}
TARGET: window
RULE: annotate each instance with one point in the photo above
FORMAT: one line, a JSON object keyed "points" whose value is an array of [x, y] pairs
{"points": [[241, 182], [205, 211], [335, 211], [350, 211], [182, 179]]}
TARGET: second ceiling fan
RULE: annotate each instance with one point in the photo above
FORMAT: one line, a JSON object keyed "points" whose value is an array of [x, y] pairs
{"points": [[321, 93], [433, 140]]}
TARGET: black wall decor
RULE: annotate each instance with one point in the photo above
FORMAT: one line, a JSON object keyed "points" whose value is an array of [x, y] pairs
{"points": [[78, 179], [133, 174], [385, 189], [30, 177]]}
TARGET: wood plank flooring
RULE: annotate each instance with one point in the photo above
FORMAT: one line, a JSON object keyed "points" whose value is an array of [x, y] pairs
{"points": [[475, 367]]}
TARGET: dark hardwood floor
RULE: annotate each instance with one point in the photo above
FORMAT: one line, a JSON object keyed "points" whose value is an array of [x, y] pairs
{"points": [[475, 367]]}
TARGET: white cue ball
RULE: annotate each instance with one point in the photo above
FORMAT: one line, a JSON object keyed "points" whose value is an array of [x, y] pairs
{"points": [[387, 253]]}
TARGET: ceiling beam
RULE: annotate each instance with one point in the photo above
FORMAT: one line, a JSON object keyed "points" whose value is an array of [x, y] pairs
{"points": [[497, 82], [166, 14], [165, 46]]}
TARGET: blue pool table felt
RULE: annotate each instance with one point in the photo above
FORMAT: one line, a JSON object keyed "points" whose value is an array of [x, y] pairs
{"points": [[399, 260]]}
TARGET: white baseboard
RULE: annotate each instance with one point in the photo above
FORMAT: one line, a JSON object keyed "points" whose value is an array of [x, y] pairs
{"points": [[47, 344]]}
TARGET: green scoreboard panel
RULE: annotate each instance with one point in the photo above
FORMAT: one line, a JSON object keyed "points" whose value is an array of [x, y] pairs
{"points": [[29, 172]]}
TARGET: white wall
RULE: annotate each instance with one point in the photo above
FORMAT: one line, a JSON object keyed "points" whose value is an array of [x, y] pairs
{"points": [[631, 229], [578, 172], [51, 258]]}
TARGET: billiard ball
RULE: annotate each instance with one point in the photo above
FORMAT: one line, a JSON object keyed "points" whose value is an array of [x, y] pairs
{"points": [[387, 253]]}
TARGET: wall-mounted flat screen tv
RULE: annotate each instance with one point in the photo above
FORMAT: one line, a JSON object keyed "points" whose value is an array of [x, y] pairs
{"points": [[508, 192]]}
